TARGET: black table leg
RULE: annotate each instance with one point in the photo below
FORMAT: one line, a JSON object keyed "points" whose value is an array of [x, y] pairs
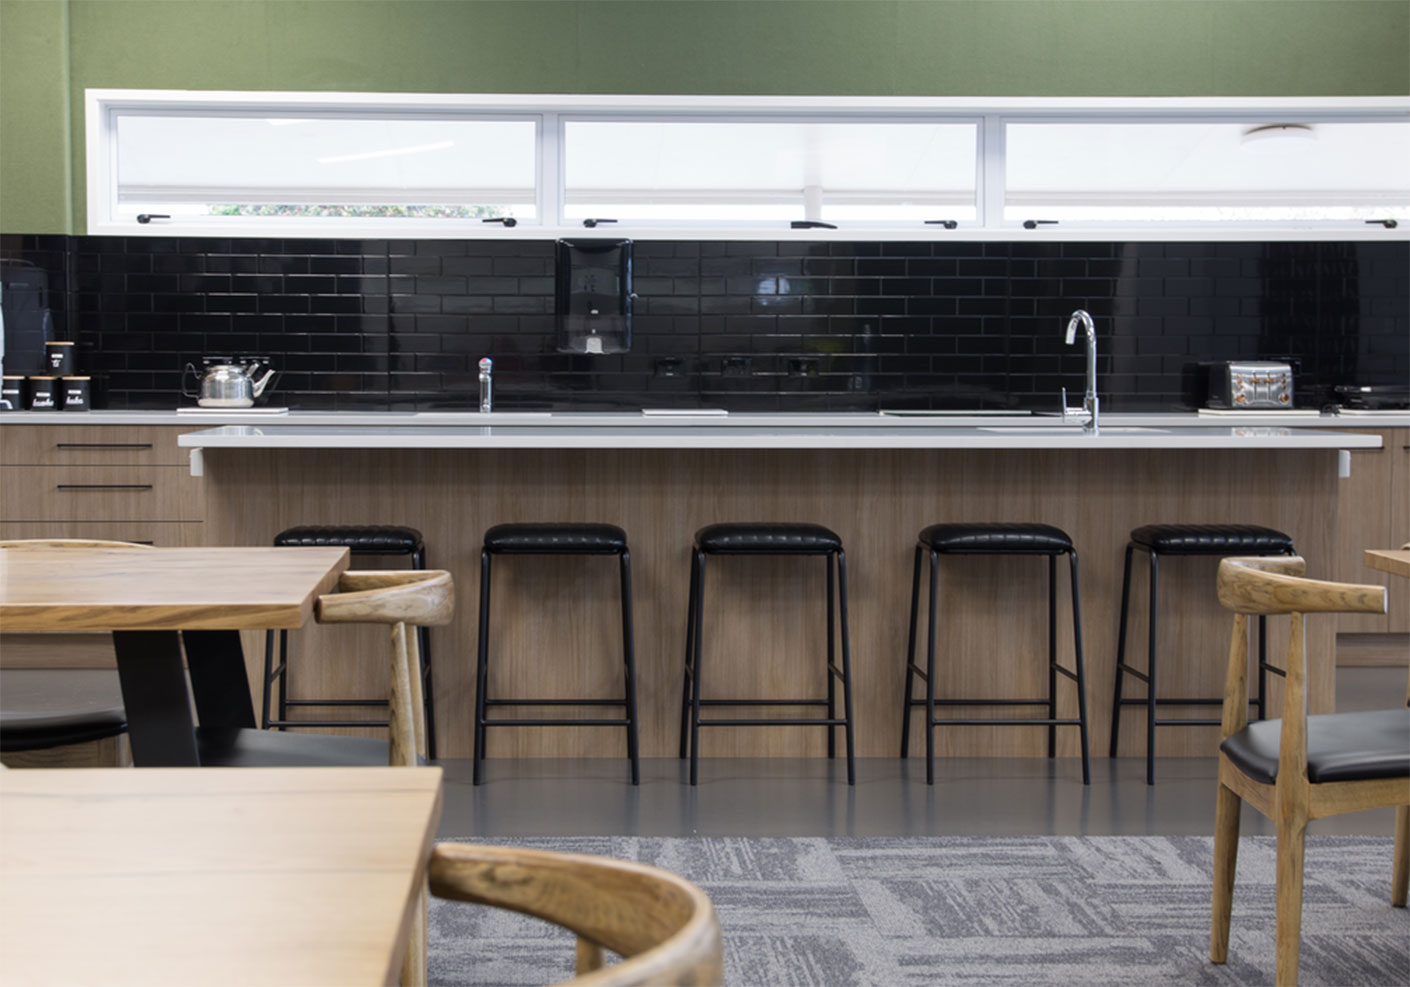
{"points": [[219, 681], [154, 694]]}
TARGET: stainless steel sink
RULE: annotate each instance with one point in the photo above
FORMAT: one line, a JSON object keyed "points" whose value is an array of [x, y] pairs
{"points": [[1066, 429]]}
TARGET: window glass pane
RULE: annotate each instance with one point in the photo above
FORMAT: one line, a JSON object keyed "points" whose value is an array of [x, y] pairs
{"points": [[336, 165], [1207, 171], [724, 171]]}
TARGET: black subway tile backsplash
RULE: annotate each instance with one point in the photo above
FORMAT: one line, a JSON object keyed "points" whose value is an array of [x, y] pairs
{"points": [[769, 326]]}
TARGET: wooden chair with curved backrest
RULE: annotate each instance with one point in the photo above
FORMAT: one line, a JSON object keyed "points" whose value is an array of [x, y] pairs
{"points": [[1299, 767], [662, 925], [86, 735]]}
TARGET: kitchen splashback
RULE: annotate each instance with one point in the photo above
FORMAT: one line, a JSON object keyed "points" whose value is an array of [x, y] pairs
{"points": [[378, 324]]}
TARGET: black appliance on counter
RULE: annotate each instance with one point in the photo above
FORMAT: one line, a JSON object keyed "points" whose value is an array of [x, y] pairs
{"points": [[594, 296]]}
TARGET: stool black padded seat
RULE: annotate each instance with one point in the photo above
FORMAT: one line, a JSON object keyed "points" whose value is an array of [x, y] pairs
{"points": [[994, 538], [32, 731], [1340, 747], [768, 539], [1212, 539], [1187, 540], [360, 540], [555, 538]]}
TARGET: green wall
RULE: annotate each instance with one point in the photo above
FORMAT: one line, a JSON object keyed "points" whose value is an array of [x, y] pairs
{"points": [[51, 50]]}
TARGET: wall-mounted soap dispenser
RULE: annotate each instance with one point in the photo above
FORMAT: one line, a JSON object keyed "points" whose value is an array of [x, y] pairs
{"points": [[594, 296]]}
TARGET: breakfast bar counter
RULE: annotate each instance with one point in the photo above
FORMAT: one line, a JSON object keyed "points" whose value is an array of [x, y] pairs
{"points": [[876, 480]]}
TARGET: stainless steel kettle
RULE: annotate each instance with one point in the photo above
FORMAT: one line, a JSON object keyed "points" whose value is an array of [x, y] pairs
{"points": [[228, 385]]}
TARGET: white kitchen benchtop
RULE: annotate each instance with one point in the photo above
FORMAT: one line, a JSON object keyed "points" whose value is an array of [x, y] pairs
{"points": [[1008, 435], [632, 420]]}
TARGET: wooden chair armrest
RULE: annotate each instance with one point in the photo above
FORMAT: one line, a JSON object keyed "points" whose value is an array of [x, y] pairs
{"points": [[424, 597], [1266, 585]]}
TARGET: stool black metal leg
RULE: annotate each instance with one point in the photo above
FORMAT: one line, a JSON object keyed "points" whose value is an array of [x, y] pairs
{"points": [[629, 653], [690, 619], [1080, 669], [423, 642], [1121, 651], [482, 677], [1150, 671], [699, 566], [930, 674], [1052, 655], [831, 660], [910, 658], [268, 679], [283, 676], [1262, 665], [846, 666]]}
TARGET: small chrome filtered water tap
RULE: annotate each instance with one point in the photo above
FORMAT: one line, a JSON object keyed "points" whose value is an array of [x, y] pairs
{"points": [[486, 384], [1090, 404]]}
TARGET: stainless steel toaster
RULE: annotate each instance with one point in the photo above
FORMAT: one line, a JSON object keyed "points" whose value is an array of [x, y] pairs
{"points": [[1250, 385]]}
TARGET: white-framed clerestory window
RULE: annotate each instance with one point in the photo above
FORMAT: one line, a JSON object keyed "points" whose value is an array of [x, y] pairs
{"points": [[696, 167]]}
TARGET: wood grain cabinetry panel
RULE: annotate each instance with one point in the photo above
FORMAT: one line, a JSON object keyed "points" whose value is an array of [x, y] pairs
{"points": [[1373, 512], [92, 445], [555, 624], [99, 493], [166, 534]]}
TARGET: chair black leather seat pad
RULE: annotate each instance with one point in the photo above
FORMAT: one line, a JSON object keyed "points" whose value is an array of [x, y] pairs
{"points": [[26, 731], [556, 539], [767, 539], [999, 538], [1212, 539], [245, 748], [370, 539], [1340, 747]]}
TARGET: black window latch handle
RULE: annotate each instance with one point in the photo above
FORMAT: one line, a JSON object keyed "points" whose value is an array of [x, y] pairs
{"points": [[590, 223], [811, 224], [508, 221], [1389, 224], [1033, 224], [146, 217], [949, 224]]}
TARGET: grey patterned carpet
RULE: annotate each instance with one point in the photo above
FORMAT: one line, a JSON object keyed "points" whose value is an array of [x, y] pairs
{"points": [[972, 910]]}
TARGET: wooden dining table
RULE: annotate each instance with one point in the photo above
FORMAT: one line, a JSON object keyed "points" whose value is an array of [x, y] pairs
{"points": [[199, 876], [1392, 560], [158, 602]]}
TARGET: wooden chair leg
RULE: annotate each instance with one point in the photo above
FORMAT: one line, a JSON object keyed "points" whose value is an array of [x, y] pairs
{"points": [[413, 964], [1226, 856], [1292, 837], [1400, 871], [589, 957]]}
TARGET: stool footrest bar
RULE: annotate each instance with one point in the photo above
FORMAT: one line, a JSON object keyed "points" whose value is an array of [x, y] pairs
{"points": [[335, 702], [773, 723], [329, 723], [555, 702], [763, 702], [554, 723], [1007, 723]]}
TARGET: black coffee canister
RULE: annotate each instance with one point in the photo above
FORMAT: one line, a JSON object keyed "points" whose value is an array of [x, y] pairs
{"points": [[15, 393], [44, 393], [59, 358], [78, 393]]}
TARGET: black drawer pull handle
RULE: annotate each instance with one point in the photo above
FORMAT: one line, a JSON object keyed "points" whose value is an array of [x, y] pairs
{"points": [[102, 445], [105, 486]]}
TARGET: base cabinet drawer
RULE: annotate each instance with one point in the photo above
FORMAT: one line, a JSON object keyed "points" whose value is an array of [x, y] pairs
{"points": [[92, 445], [99, 493], [163, 534]]}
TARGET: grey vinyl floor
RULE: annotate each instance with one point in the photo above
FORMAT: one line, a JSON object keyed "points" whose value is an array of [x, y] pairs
{"points": [[810, 797]]}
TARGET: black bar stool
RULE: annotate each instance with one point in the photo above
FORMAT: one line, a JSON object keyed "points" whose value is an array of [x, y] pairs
{"points": [[767, 539], [555, 539], [995, 539], [375, 540], [1185, 539]]}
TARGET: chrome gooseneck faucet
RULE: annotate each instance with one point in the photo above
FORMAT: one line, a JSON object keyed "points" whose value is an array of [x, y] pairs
{"points": [[486, 384], [1089, 400]]}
